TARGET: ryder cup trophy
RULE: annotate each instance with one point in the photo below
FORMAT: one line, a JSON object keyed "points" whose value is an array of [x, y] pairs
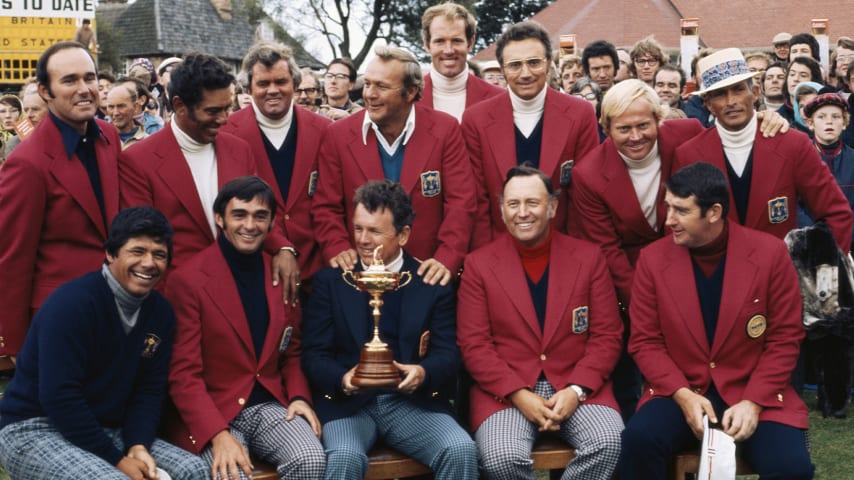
{"points": [[375, 367]]}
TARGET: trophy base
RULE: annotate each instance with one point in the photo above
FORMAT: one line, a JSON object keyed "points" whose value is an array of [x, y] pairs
{"points": [[375, 369]]}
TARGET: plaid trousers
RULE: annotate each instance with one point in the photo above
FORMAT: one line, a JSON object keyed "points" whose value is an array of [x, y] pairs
{"points": [[504, 441], [34, 449]]}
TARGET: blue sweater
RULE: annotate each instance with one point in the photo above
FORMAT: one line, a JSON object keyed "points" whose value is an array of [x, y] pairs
{"points": [[79, 369]]}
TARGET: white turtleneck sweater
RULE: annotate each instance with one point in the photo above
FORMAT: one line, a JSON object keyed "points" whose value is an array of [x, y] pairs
{"points": [[646, 179], [275, 130], [449, 93], [527, 113], [201, 158], [737, 145]]}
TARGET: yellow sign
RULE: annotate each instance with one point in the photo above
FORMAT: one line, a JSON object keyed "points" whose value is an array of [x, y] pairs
{"points": [[34, 34]]}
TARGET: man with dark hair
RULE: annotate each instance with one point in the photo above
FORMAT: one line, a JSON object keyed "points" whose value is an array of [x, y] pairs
{"points": [[773, 83], [284, 141], [106, 80], [180, 169], [601, 62], [528, 123], [401, 140], [716, 328], [59, 189], [539, 332], [804, 45], [255, 399], [418, 325], [448, 31], [669, 83], [92, 376], [339, 79], [768, 177]]}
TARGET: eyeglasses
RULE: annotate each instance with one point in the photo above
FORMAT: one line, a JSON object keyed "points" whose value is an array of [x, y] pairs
{"points": [[647, 61], [338, 76], [493, 76], [307, 91], [845, 58], [587, 96], [535, 65]]}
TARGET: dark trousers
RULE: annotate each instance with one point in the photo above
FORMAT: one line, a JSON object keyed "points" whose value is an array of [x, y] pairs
{"points": [[658, 431]]}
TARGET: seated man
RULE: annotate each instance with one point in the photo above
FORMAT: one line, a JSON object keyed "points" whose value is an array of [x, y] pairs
{"points": [[254, 397], [85, 400], [418, 324], [540, 333], [716, 329]]}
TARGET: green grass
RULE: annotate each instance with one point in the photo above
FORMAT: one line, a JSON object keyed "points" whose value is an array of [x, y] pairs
{"points": [[830, 438]]}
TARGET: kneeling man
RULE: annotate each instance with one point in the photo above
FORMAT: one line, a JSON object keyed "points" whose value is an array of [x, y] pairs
{"points": [[716, 330], [236, 378], [86, 398], [417, 323], [540, 333]]}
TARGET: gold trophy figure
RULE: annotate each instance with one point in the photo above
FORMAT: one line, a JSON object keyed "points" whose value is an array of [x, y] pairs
{"points": [[375, 369]]}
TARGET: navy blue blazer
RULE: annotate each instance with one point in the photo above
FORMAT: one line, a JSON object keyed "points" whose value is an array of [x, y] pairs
{"points": [[337, 323]]}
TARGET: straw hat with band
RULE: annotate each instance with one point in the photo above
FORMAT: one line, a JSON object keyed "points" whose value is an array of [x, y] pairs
{"points": [[723, 68]]}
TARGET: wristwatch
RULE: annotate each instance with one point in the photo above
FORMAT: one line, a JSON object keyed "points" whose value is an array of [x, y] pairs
{"points": [[582, 396], [292, 250]]}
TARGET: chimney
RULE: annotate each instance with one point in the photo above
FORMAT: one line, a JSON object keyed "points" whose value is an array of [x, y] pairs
{"points": [[223, 8]]}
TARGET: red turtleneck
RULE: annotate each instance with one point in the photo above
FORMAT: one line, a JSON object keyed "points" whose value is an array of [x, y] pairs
{"points": [[535, 259]]}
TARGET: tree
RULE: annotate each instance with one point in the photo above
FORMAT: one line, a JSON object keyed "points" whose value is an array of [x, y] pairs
{"points": [[494, 16]]}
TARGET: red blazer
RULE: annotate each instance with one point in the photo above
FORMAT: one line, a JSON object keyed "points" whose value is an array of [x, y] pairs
{"points": [[444, 208], [605, 208], [293, 214], [668, 340], [569, 133], [155, 173], [214, 366], [477, 90], [54, 230], [500, 339], [786, 168]]}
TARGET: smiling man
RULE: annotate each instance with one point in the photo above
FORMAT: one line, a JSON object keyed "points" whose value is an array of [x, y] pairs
{"points": [[448, 31], [284, 141], [529, 122], [539, 332], [59, 190], [401, 140], [418, 325], [768, 177], [91, 380], [121, 105], [255, 399], [716, 329], [180, 169]]}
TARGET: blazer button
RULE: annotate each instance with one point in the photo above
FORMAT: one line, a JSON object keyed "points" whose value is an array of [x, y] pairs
{"points": [[435, 394], [257, 375], [193, 442], [712, 365], [697, 390], [779, 397], [328, 397], [543, 357], [651, 391], [287, 217], [241, 401]]}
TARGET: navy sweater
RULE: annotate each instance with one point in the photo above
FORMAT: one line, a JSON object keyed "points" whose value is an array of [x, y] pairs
{"points": [[79, 369]]}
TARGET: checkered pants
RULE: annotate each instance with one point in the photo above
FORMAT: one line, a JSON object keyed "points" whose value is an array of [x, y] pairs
{"points": [[505, 439], [34, 449], [291, 446], [434, 439]]}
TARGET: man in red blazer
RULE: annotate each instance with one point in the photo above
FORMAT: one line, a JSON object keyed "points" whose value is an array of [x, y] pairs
{"points": [[529, 123], [284, 141], [716, 329], [58, 192], [767, 176], [180, 169], [254, 398], [448, 31], [539, 332], [397, 139]]}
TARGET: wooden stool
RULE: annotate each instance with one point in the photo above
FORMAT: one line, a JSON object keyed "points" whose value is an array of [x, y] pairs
{"points": [[689, 462], [385, 463]]}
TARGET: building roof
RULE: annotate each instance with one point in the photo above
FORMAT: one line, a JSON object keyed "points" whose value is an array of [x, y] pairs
{"points": [[746, 24], [162, 28]]}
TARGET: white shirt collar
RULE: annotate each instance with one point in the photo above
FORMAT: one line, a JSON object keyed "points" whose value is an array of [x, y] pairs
{"points": [[396, 265], [408, 130]]}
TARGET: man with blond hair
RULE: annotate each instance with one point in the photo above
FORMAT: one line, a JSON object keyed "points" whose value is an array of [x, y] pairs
{"points": [[448, 30]]}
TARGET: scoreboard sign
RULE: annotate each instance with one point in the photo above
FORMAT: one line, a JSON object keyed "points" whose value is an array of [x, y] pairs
{"points": [[48, 8]]}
